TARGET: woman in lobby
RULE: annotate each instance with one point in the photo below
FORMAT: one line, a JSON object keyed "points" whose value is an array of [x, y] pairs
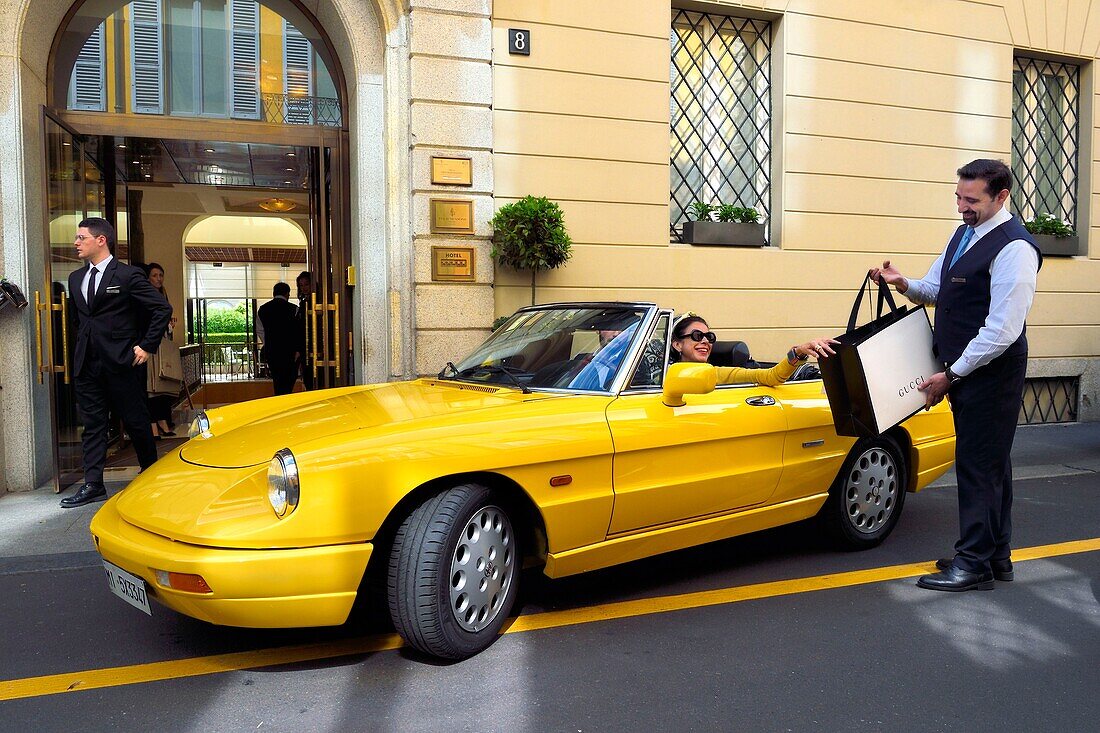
{"points": [[161, 391], [692, 341]]}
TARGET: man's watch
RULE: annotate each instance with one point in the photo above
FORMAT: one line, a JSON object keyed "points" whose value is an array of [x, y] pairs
{"points": [[792, 356], [951, 376]]}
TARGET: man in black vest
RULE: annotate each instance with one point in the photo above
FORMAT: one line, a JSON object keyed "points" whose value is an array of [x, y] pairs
{"points": [[982, 285], [281, 348], [119, 318]]}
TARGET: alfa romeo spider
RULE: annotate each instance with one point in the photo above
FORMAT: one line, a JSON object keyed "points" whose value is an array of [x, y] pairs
{"points": [[566, 442]]}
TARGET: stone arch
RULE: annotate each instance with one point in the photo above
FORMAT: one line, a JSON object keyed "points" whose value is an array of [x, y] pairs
{"points": [[370, 41]]}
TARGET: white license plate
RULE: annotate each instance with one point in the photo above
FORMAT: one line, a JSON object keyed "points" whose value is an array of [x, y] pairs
{"points": [[129, 588]]}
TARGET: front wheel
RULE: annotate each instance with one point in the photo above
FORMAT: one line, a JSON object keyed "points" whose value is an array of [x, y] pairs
{"points": [[866, 499], [453, 573]]}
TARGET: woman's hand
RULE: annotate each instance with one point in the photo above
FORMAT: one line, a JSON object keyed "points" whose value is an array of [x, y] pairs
{"points": [[819, 347]]}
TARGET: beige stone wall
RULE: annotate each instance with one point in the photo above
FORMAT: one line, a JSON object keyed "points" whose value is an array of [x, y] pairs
{"points": [[450, 96], [875, 105]]}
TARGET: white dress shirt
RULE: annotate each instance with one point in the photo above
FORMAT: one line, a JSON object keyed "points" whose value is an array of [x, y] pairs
{"points": [[102, 266], [1011, 292]]}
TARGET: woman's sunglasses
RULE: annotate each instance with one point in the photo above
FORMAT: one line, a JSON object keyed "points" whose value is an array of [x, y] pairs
{"points": [[698, 336]]}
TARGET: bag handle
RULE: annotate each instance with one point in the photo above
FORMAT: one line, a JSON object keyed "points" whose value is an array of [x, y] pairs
{"points": [[884, 296]]}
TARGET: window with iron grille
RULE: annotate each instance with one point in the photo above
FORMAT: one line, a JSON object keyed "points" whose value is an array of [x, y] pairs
{"points": [[1049, 400], [720, 113], [1045, 114]]}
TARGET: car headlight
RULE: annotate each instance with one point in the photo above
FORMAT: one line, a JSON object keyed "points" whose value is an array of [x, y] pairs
{"points": [[282, 482], [200, 426]]}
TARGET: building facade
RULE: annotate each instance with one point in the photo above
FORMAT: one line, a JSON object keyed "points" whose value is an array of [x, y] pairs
{"points": [[840, 121]]}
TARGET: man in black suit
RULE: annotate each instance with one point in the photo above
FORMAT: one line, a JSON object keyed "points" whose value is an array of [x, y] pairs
{"points": [[119, 319], [304, 281], [280, 336]]}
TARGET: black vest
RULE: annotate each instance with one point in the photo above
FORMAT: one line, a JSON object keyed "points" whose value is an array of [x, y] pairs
{"points": [[963, 301]]}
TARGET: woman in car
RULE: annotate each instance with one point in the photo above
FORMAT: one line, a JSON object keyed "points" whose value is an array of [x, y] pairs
{"points": [[692, 341]]}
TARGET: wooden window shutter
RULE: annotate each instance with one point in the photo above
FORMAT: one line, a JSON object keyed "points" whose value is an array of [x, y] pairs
{"points": [[87, 90], [146, 57], [297, 75], [245, 59]]}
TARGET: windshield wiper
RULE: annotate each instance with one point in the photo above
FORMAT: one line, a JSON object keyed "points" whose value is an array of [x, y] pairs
{"points": [[443, 372], [492, 369]]}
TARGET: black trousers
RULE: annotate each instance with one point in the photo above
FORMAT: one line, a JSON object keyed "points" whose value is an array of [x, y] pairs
{"points": [[986, 407], [100, 390], [283, 375]]}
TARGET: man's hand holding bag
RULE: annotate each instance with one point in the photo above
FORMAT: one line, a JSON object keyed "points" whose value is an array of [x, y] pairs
{"points": [[873, 381]]}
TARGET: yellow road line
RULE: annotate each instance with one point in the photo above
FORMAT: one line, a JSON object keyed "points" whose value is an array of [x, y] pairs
{"points": [[174, 669]]}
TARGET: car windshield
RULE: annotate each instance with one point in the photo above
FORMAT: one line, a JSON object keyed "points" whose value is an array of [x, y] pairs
{"points": [[579, 348]]}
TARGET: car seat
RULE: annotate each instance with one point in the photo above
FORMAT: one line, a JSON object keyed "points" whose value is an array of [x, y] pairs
{"points": [[730, 354]]}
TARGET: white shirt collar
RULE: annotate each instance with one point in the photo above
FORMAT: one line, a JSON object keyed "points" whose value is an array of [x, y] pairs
{"points": [[102, 266], [992, 223]]}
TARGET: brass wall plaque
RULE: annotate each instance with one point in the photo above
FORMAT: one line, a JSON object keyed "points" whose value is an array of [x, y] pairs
{"points": [[452, 264], [452, 171], [452, 216]]}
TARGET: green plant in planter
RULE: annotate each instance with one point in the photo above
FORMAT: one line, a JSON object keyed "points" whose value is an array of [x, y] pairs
{"points": [[530, 235], [701, 211], [1049, 224], [738, 214]]}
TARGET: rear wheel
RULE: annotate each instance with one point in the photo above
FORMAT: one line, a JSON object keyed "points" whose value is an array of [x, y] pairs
{"points": [[453, 573], [866, 499]]}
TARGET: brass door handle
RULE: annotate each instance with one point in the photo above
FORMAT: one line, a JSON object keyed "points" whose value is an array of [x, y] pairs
{"points": [[311, 320], [336, 331], [38, 308], [63, 309]]}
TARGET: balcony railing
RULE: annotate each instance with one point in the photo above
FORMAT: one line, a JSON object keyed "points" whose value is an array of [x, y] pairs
{"points": [[287, 109]]}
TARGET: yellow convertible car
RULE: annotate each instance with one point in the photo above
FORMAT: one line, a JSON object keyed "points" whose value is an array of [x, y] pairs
{"points": [[565, 442]]}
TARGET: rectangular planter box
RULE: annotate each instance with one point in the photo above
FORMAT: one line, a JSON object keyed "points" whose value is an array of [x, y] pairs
{"points": [[1052, 245], [725, 234]]}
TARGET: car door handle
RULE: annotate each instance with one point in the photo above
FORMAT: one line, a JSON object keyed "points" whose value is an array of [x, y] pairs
{"points": [[760, 401]]}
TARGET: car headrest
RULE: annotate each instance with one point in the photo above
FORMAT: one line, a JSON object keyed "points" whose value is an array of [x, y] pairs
{"points": [[729, 354]]}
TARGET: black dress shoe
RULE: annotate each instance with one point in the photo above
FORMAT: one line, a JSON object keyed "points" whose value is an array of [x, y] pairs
{"points": [[85, 495], [1002, 569], [956, 579]]}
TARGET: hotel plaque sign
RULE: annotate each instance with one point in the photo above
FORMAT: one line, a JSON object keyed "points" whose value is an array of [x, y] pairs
{"points": [[452, 264], [452, 171], [452, 216]]}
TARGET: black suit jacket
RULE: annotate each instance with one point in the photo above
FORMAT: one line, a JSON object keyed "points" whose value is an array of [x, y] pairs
{"points": [[126, 311], [280, 331]]}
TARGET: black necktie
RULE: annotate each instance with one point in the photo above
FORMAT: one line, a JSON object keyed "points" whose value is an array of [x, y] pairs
{"points": [[91, 286]]}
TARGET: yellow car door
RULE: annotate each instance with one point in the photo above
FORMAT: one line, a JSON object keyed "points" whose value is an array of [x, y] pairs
{"points": [[719, 452]]}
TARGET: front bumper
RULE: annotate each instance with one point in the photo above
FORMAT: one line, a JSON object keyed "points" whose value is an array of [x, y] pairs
{"points": [[279, 588]]}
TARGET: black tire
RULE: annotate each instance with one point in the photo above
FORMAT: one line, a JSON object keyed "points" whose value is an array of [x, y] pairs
{"points": [[463, 532], [867, 496]]}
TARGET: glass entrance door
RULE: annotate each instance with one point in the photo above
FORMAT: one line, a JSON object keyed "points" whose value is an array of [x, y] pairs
{"points": [[328, 316], [75, 190]]}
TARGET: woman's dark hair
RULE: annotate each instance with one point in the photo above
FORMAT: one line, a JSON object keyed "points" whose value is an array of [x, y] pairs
{"points": [[153, 266], [995, 173], [683, 326]]}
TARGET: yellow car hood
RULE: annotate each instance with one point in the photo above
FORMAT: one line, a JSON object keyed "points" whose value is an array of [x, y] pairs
{"points": [[215, 489], [249, 434]]}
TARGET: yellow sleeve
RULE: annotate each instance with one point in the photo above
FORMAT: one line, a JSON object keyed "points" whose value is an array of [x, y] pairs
{"points": [[773, 377]]}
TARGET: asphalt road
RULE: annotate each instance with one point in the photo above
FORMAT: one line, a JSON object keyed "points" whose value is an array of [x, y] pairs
{"points": [[832, 653]]}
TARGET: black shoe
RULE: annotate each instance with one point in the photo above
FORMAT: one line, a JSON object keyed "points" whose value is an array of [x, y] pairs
{"points": [[956, 579], [1002, 569], [86, 494]]}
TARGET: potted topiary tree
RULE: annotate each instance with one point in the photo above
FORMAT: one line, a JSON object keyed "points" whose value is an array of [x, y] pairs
{"points": [[725, 224], [530, 235], [1053, 235]]}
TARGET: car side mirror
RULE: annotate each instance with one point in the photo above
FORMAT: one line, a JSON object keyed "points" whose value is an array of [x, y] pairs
{"points": [[687, 378]]}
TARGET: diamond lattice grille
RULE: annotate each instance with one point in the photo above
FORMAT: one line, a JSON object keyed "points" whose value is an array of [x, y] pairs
{"points": [[1045, 106], [720, 113], [1049, 400]]}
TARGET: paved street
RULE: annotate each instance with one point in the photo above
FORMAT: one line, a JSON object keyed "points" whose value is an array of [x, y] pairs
{"points": [[768, 632]]}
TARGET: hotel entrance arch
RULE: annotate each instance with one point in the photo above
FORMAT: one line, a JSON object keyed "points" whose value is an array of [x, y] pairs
{"points": [[317, 126]]}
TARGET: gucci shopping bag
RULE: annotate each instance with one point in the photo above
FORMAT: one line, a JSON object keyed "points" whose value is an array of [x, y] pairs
{"points": [[872, 381]]}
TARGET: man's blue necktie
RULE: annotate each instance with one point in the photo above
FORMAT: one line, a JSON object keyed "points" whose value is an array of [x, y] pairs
{"points": [[967, 236]]}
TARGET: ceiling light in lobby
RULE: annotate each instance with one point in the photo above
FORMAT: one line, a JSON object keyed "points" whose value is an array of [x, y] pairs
{"points": [[278, 205]]}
